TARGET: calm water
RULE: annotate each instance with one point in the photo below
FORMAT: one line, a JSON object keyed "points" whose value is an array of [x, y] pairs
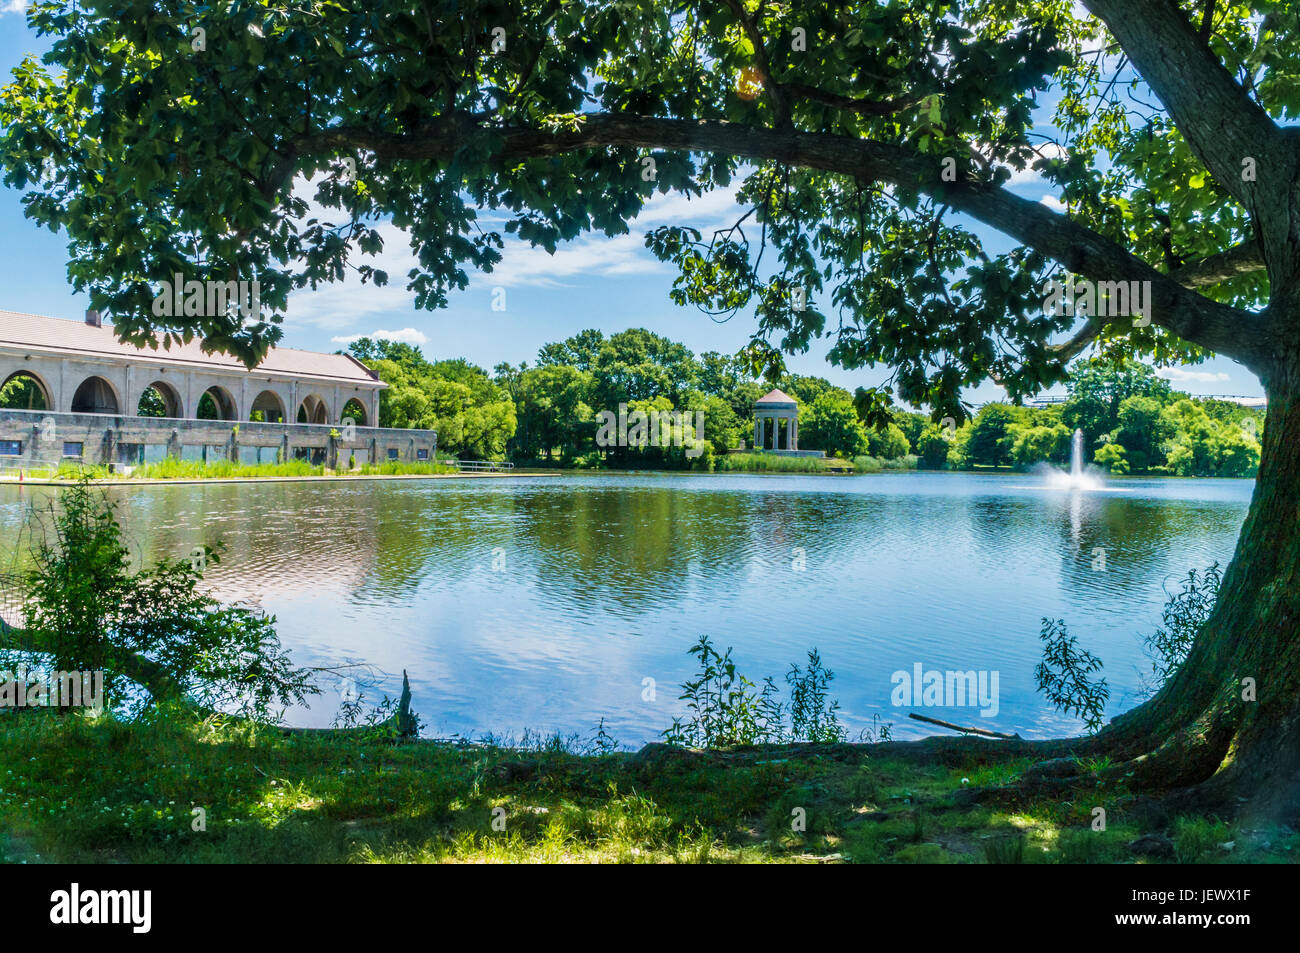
{"points": [[544, 603]]}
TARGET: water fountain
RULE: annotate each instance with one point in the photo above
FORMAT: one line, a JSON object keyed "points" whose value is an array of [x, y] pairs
{"points": [[1077, 478]]}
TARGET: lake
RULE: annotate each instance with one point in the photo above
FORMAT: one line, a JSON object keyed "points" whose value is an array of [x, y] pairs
{"points": [[546, 603]]}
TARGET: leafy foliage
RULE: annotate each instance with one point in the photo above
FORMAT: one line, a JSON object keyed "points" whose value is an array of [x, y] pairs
{"points": [[1184, 614], [473, 416], [831, 424], [22, 393], [1064, 676], [725, 708], [159, 151], [1132, 422], [154, 633], [812, 712]]}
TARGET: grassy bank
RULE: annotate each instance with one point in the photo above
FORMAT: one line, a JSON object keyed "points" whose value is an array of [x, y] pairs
{"points": [[772, 463], [73, 789]]}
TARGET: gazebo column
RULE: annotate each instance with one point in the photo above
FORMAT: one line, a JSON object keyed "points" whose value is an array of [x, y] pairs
{"points": [[758, 433], [794, 433]]}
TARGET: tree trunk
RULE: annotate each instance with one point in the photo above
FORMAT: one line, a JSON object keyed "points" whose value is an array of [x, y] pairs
{"points": [[1202, 733]]}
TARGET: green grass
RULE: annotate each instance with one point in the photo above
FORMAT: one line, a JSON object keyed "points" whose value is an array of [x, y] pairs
{"points": [[879, 464], [173, 468], [79, 790], [772, 463], [769, 462], [398, 468]]}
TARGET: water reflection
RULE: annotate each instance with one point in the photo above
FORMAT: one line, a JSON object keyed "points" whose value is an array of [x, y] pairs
{"points": [[544, 603]]}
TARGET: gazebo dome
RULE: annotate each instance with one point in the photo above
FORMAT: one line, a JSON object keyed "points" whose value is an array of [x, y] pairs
{"points": [[774, 399]]}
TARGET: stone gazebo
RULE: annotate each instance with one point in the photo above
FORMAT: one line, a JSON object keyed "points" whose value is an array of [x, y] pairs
{"points": [[779, 408]]}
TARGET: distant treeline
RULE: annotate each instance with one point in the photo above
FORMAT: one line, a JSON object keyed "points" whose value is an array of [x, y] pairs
{"points": [[547, 414]]}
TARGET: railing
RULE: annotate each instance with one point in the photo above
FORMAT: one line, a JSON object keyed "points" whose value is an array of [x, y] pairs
{"points": [[479, 466], [16, 471]]}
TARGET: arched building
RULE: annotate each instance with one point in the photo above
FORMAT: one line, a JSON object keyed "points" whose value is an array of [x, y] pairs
{"points": [[179, 401]]}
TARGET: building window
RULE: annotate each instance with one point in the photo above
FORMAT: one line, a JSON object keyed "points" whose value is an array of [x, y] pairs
{"points": [[422, 454], [11, 448], [393, 453], [71, 449], [130, 454]]}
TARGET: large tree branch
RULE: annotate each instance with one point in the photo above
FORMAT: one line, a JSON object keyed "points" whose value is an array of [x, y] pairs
{"points": [[1218, 327], [1078, 342], [1239, 260]]}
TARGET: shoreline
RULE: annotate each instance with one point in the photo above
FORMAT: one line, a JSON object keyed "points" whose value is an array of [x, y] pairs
{"points": [[340, 477], [191, 481]]}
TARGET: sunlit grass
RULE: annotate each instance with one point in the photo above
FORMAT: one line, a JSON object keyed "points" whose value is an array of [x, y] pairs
{"points": [[77, 790]]}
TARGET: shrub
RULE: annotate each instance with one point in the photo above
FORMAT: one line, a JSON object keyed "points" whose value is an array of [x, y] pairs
{"points": [[1113, 457], [152, 633], [726, 708], [812, 714]]}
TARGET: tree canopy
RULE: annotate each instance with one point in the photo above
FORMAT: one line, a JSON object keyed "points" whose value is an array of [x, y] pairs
{"points": [[168, 137]]}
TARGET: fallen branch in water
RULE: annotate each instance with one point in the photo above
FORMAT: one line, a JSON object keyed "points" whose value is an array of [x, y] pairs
{"points": [[962, 728]]}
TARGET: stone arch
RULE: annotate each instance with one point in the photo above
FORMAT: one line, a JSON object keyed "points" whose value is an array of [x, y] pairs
{"points": [[271, 407], [355, 409], [313, 410], [39, 393], [173, 406], [220, 403], [96, 395]]}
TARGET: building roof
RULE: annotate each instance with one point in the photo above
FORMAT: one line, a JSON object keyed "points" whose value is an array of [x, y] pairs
{"points": [[64, 338], [774, 397]]}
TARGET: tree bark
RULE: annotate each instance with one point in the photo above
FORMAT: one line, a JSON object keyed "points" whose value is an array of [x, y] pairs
{"points": [[1202, 732]]}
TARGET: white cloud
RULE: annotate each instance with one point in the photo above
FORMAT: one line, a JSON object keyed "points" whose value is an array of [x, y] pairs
{"points": [[404, 336], [589, 257], [710, 210], [598, 256], [1052, 202], [347, 305], [1181, 375], [1030, 175], [12, 6]]}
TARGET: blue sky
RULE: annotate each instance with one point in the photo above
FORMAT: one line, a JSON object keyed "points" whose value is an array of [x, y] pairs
{"points": [[605, 283]]}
